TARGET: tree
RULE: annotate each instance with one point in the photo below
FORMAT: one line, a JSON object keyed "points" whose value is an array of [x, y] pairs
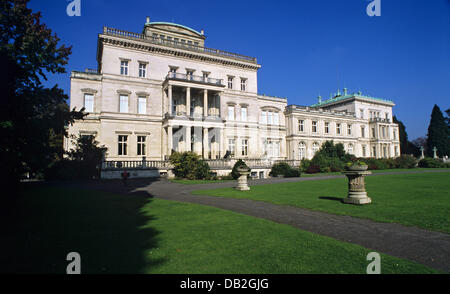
{"points": [[32, 117], [188, 165], [438, 134], [420, 142], [406, 147]]}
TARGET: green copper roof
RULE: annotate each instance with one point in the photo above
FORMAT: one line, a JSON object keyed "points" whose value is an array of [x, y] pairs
{"points": [[173, 24], [343, 97]]}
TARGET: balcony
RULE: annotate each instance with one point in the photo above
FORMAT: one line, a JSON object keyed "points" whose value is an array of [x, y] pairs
{"points": [[379, 120], [194, 79]]}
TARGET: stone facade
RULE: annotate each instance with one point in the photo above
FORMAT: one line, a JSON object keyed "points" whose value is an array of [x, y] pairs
{"points": [[163, 91]]}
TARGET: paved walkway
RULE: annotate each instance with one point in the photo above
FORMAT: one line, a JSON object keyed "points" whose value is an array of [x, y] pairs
{"points": [[426, 247]]}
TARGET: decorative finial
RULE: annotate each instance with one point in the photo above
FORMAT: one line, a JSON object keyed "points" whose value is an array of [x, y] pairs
{"points": [[345, 91], [148, 19], [320, 99]]}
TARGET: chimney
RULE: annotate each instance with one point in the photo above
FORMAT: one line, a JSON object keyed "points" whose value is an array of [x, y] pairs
{"points": [[148, 19]]}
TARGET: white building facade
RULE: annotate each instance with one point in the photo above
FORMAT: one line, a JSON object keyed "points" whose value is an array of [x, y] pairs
{"points": [[163, 91]]}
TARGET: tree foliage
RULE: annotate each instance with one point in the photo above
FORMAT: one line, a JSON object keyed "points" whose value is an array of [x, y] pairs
{"points": [[438, 134], [32, 117], [406, 147], [234, 172], [188, 165]]}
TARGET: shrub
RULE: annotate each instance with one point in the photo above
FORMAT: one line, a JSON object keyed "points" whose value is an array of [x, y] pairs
{"points": [[227, 177], [304, 164], [406, 161], [313, 169], [429, 162], [188, 165], [234, 172], [284, 169]]}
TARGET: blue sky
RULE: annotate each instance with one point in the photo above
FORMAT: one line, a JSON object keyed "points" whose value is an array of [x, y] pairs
{"points": [[306, 48]]}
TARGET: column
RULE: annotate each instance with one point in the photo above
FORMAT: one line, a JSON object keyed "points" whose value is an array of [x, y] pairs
{"points": [[169, 140], [169, 94], [187, 140], [205, 103], [188, 102], [222, 143], [205, 143]]}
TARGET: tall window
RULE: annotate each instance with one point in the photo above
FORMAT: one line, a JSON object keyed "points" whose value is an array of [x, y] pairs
{"points": [[122, 150], [395, 134], [89, 102], [363, 131], [314, 126], [373, 132], [142, 105], [243, 84], [301, 125], [315, 148], [124, 67], [140, 145], [264, 117], [269, 117], [230, 112], [142, 70], [230, 82], [396, 150], [364, 151], [338, 129], [302, 150], [361, 113], [231, 146], [350, 148], [123, 107], [276, 119], [327, 127], [189, 74], [244, 147], [349, 130], [244, 113]]}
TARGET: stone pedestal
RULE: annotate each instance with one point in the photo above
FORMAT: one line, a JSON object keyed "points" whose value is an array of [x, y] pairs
{"points": [[356, 188], [242, 180]]}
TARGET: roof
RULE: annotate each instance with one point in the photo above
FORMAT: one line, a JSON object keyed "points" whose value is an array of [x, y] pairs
{"points": [[344, 97], [174, 24]]}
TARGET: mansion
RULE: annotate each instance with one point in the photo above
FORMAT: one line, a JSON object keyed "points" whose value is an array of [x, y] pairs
{"points": [[163, 91]]}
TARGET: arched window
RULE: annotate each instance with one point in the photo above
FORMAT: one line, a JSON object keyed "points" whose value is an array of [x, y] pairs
{"points": [[315, 147], [302, 150]]}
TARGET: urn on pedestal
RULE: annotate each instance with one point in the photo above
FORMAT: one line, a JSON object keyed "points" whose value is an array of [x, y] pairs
{"points": [[242, 184]]}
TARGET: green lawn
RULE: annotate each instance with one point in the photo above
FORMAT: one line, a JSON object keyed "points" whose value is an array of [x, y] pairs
{"points": [[421, 200], [195, 182], [136, 234], [374, 171]]}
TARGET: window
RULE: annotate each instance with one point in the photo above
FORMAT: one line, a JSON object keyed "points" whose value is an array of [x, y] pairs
{"points": [[142, 105], [189, 43], [396, 150], [122, 150], [374, 152], [315, 148], [140, 145], [395, 134], [269, 117], [124, 67], [123, 107], [189, 74], [276, 119], [383, 130], [230, 112], [327, 127], [169, 39], [350, 148], [302, 151], [301, 124], [142, 69], [364, 151], [244, 147], [314, 126], [231, 146], [243, 84], [373, 132], [230, 82], [244, 113], [361, 113], [338, 129], [363, 132], [264, 117], [205, 76], [176, 40], [349, 130], [89, 102]]}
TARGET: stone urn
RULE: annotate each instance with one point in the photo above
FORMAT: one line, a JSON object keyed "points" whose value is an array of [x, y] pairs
{"points": [[356, 187], [357, 167], [242, 184]]}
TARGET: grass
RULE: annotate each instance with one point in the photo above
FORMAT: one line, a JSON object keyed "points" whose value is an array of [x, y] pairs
{"points": [[195, 182], [136, 234], [421, 200], [373, 171]]}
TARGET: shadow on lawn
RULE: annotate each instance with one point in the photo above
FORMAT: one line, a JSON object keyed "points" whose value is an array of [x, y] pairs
{"points": [[101, 220], [331, 198]]}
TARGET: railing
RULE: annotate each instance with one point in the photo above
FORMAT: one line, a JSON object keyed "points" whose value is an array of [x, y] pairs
{"points": [[224, 163], [379, 119], [91, 70], [192, 78], [176, 44]]}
